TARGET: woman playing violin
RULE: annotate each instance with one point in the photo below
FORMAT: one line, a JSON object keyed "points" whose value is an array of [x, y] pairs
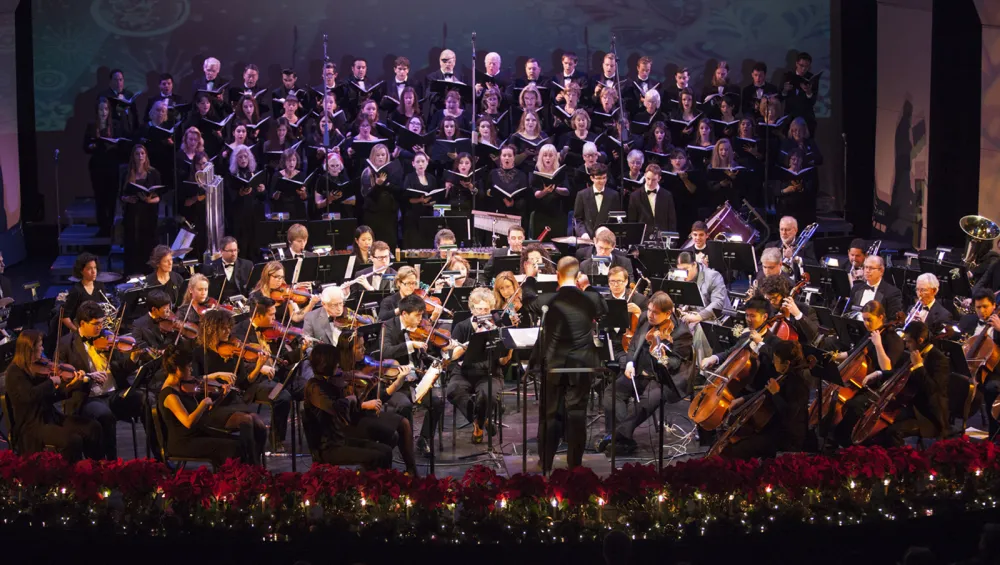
{"points": [[192, 425], [507, 296], [342, 427], [34, 390], [196, 299], [784, 414], [272, 284]]}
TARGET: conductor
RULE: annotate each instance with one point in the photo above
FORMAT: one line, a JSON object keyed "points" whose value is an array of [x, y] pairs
{"points": [[567, 343]]}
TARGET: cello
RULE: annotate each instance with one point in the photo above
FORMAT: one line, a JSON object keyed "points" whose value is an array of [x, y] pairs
{"points": [[852, 372], [711, 404], [982, 355], [782, 328]]}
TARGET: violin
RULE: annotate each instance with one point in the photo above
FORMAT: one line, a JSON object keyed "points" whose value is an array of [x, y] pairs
{"points": [[658, 339], [390, 368], [276, 331], [170, 324], [287, 292], [198, 387], [236, 348], [351, 319], [46, 367], [782, 328], [211, 304], [433, 303], [428, 332], [108, 340]]}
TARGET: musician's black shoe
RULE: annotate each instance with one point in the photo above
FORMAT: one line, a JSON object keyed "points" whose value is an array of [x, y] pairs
{"points": [[625, 446], [603, 444], [423, 447]]}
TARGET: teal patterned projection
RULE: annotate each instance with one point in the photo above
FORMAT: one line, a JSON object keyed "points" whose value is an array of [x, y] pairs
{"points": [[73, 39]]}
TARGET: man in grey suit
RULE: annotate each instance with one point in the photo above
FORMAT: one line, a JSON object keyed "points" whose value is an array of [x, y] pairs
{"points": [[318, 324], [710, 283]]}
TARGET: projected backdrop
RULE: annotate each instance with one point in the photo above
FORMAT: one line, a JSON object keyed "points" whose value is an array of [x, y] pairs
{"points": [[77, 41]]}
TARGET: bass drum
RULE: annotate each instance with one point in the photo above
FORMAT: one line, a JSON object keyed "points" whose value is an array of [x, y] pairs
{"points": [[727, 222]]}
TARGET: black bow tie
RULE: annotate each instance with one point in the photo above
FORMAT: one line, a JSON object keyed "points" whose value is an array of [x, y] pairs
{"points": [[869, 287], [449, 75], [88, 340], [228, 265], [981, 323], [925, 308], [598, 193], [651, 192]]}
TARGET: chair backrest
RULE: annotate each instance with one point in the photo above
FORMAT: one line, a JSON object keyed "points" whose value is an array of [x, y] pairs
{"points": [[161, 431], [8, 420], [961, 392]]}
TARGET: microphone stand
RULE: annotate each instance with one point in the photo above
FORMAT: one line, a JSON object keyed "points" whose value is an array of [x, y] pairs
{"points": [[55, 157], [543, 421], [621, 113], [474, 137]]}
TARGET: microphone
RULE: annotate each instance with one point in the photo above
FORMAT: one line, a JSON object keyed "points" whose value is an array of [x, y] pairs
{"points": [[612, 41], [56, 155]]}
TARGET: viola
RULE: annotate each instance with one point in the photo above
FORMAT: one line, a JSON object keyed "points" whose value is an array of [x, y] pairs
{"points": [[351, 319], [433, 303], [287, 292], [277, 331], [210, 304], [198, 387], [236, 348], [170, 324], [108, 340]]}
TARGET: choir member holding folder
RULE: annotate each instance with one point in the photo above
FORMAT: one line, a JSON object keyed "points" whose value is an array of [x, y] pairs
{"points": [[422, 193], [141, 197], [104, 141], [508, 185]]}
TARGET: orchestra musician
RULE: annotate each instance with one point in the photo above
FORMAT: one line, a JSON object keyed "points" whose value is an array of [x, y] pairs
{"points": [[884, 351], [515, 244], [856, 261], [926, 415], [604, 246], [932, 312], [594, 204], [272, 282], [396, 343], [875, 287], [194, 426], [332, 408], [195, 298], [788, 231], [567, 343], [256, 389], [799, 315], [33, 391], [444, 238], [985, 319], [711, 286], [468, 383], [88, 288], [699, 242], [147, 330], [320, 324], [406, 284], [788, 399], [108, 372], [648, 373], [364, 237], [236, 269], [505, 287], [381, 259], [163, 275], [763, 340]]}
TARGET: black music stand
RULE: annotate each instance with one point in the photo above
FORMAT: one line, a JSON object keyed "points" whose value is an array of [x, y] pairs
{"points": [[849, 331], [617, 316], [683, 293], [954, 281], [333, 268], [429, 269], [270, 231], [627, 234], [430, 225], [27, 314], [720, 338], [903, 278], [832, 282], [338, 234], [731, 258], [134, 302], [655, 261], [510, 263], [459, 299], [838, 245]]}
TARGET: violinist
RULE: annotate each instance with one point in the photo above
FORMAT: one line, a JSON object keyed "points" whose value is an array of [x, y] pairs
{"points": [[534, 262], [397, 343], [406, 284], [643, 373], [194, 427], [507, 295], [322, 323], [985, 319], [787, 399], [332, 408], [469, 381], [884, 352], [108, 370], [196, 300], [460, 265], [149, 329], [926, 415], [635, 304], [262, 319], [33, 391], [272, 284], [800, 317]]}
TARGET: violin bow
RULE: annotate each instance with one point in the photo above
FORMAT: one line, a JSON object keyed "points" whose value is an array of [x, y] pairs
{"points": [[434, 323], [239, 358], [180, 330], [354, 322]]}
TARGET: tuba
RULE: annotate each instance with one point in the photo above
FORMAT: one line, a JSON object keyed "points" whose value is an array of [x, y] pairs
{"points": [[978, 231]]}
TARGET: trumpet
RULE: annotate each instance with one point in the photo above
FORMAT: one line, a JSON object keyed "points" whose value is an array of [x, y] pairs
{"points": [[913, 314]]}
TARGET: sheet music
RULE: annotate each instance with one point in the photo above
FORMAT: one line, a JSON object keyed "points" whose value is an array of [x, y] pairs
{"points": [[298, 268]]}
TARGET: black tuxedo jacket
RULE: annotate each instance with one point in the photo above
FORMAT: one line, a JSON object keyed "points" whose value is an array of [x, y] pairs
{"points": [[681, 361], [71, 350], [808, 326], [807, 253], [146, 331], [887, 295], [765, 367], [568, 338], [394, 346], [749, 100], [938, 316], [968, 324], [666, 215], [588, 217], [241, 275]]}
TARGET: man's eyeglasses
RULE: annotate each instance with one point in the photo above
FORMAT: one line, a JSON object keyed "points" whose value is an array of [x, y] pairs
{"points": [[381, 257]]}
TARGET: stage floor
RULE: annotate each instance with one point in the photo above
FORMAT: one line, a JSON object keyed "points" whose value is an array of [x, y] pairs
{"points": [[456, 453]]}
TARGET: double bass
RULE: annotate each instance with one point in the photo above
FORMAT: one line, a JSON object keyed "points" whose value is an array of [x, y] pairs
{"points": [[710, 405]]}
